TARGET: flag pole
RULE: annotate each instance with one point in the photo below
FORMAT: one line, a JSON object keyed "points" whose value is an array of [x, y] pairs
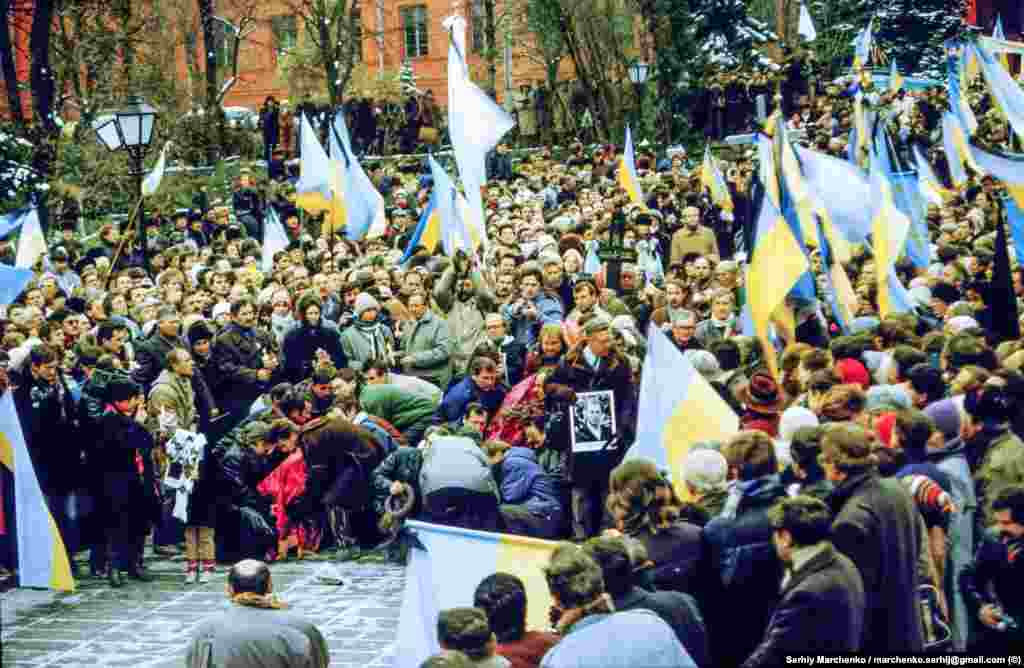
{"points": [[120, 246]]}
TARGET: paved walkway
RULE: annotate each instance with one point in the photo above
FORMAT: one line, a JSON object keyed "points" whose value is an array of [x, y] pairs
{"points": [[148, 625]]}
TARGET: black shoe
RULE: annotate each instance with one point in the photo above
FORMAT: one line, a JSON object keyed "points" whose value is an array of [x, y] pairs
{"points": [[115, 578], [141, 574]]}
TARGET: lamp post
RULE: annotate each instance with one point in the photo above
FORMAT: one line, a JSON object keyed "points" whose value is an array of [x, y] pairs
{"points": [[638, 72], [614, 252], [131, 129]]}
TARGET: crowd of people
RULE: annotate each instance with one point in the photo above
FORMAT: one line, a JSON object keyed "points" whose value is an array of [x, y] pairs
{"points": [[872, 500]]}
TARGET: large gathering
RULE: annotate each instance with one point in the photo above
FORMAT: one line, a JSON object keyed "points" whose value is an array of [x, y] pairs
{"points": [[726, 403]]}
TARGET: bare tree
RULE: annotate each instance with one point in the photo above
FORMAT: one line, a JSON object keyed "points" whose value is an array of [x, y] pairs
{"points": [[334, 29]]}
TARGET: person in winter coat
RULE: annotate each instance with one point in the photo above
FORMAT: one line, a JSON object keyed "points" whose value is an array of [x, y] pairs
{"points": [[426, 344], [200, 337], [738, 560], [876, 525], [401, 467], [991, 583], [245, 521], [594, 365], [535, 306], [151, 352], [465, 300], [245, 362], [481, 386], [821, 609], [408, 412], [172, 401], [457, 484], [994, 452], [503, 598], [313, 341], [530, 504], [367, 338], [131, 503], [507, 353]]}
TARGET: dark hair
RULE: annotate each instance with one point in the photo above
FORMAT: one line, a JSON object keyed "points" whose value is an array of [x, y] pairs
{"points": [[816, 359], [728, 354], [242, 302], [481, 363], [42, 353], [804, 448], [280, 429], [464, 629], [475, 408], [927, 380], [502, 597], [752, 453], [907, 357], [807, 519], [280, 391], [448, 659], [916, 429], [105, 330], [249, 576], [1012, 499], [293, 401], [964, 350], [612, 555]]}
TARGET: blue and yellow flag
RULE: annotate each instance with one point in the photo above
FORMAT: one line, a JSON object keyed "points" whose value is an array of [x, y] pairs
{"points": [[997, 33], [958, 150], [895, 78], [862, 45], [668, 423], [457, 230], [319, 187], [445, 574], [364, 205], [840, 294], [428, 229], [889, 230], [958, 104], [928, 183], [42, 558], [1005, 91], [712, 179], [627, 177], [1011, 173]]}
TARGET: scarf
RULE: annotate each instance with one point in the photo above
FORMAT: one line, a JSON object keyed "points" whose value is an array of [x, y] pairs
{"points": [[254, 600], [726, 325], [372, 332]]}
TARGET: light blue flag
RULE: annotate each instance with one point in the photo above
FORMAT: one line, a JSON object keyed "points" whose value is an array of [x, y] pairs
{"points": [[364, 205], [843, 188], [31, 242], [1015, 219], [13, 220], [475, 122], [592, 263], [451, 207], [274, 240], [1004, 89], [908, 199], [13, 282], [957, 100]]}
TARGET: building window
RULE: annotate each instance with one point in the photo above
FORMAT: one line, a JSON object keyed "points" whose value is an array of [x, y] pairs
{"points": [[478, 21], [286, 33], [414, 25]]}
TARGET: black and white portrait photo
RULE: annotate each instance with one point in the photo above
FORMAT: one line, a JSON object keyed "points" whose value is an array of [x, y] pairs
{"points": [[593, 420]]}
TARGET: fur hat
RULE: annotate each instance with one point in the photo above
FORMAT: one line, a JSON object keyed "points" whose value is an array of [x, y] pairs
{"points": [[365, 302], [199, 331], [762, 394]]}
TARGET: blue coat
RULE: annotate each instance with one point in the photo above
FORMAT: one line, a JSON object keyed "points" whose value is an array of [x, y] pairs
{"points": [[453, 406], [524, 482], [549, 310]]}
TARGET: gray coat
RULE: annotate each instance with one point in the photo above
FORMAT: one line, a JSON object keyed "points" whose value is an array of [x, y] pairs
{"points": [[465, 318], [428, 342], [245, 637]]}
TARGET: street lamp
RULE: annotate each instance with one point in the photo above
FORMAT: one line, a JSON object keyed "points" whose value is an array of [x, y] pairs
{"points": [[638, 72], [130, 129]]}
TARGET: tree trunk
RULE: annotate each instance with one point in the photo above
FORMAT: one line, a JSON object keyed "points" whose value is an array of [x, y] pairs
{"points": [[7, 67], [41, 77], [212, 112], [491, 39]]}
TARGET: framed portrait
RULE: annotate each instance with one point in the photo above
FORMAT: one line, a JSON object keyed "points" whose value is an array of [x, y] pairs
{"points": [[592, 420]]}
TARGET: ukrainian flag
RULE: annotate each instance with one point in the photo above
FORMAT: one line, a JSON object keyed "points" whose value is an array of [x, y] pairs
{"points": [[955, 71], [895, 78], [320, 186], [712, 179], [842, 189], [1011, 173], [31, 242], [862, 46], [1015, 220], [445, 573], [958, 150], [364, 205], [928, 183], [1005, 91], [628, 179], [889, 228], [997, 33], [42, 557], [428, 229], [841, 297], [669, 422], [457, 232]]}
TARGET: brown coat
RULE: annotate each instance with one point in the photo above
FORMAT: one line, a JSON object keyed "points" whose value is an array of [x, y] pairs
{"points": [[702, 241]]}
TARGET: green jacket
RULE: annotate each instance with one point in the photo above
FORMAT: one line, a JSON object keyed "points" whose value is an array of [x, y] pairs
{"points": [[401, 408]]}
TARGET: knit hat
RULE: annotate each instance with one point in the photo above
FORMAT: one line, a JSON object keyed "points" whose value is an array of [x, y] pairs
{"points": [[946, 415], [122, 389], [852, 371], [762, 394], [199, 331], [365, 302], [887, 398], [704, 362], [794, 418], [705, 470]]}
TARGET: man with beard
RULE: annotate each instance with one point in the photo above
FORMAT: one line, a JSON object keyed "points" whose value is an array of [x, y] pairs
{"points": [[638, 300], [505, 288], [313, 342], [465, 307], [676, 294], [585, 299]]}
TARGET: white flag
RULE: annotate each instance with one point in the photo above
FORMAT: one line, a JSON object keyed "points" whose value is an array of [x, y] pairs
{"points": [[152, 181], [31, 244], [806, 24], [274, 240], [475, 122]]}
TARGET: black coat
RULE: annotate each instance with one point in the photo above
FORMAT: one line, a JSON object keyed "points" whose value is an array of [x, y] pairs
{"points": [[615, 374], [876, 525], [741, 573], [298, 349], [237, 357], [49, 418], [129, 498], [992, 578], [151, 356], [821, 611]]}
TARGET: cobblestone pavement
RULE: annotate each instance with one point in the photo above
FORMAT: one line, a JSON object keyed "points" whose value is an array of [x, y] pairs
{"points": [[148, 625]]}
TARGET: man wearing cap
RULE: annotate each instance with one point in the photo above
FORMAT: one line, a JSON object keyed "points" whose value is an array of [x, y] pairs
{"points": [[247, 528], [594, 364], [130, 501], [876, 525], [151, 353]]}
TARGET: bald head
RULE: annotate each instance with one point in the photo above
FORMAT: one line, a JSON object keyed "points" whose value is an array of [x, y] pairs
{"points": [[249, 576]]}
